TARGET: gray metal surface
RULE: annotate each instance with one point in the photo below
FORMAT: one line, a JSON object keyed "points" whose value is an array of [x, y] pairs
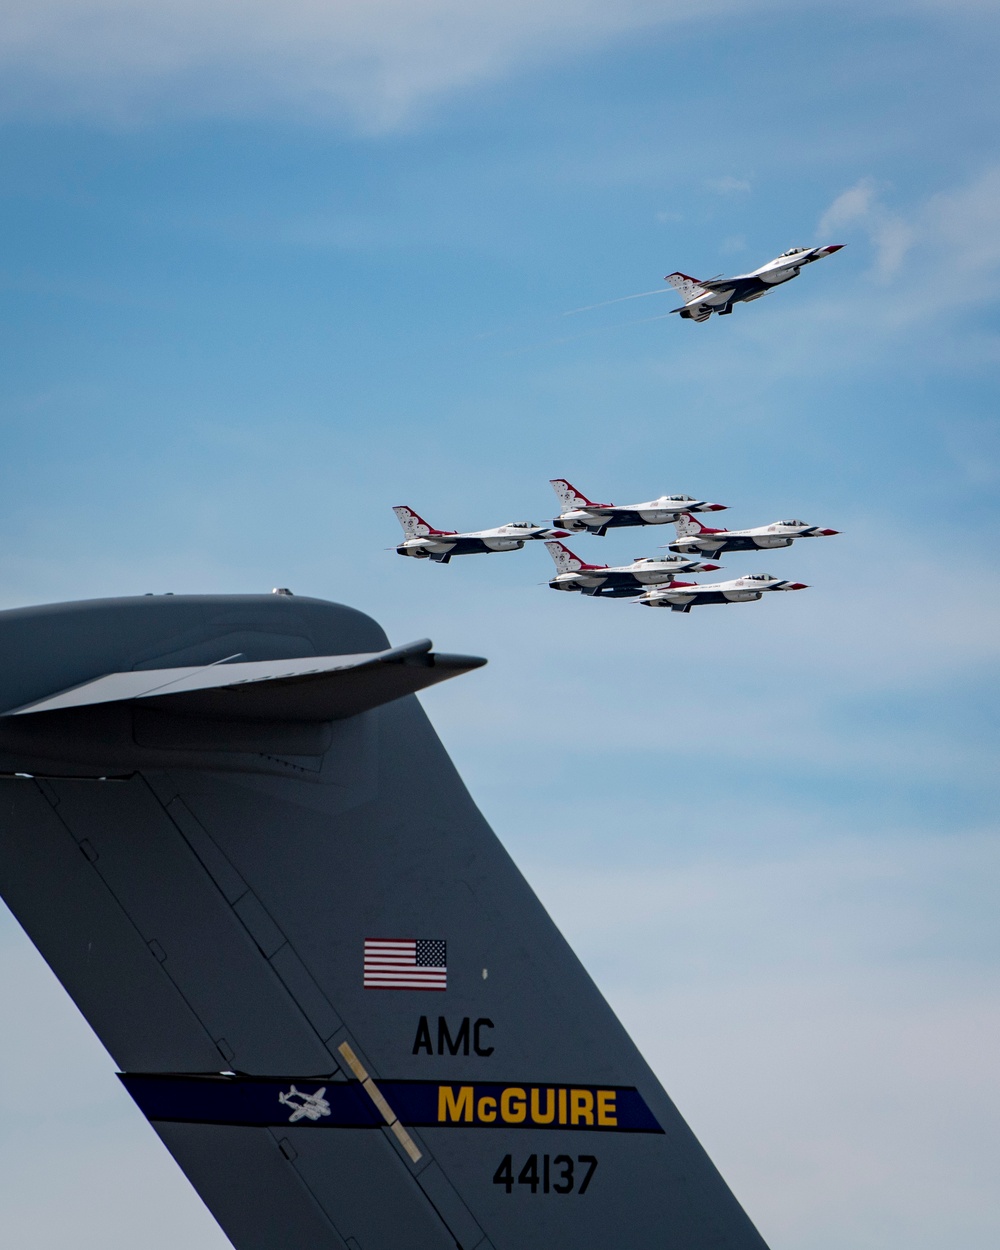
{"points": [[208, 912]]}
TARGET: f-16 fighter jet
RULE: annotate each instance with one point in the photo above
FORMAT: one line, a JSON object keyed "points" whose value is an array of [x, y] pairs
{"points": [[621, 581], [580, 513], [423, 542], [695, 539], [701, 299], [682, 596]]}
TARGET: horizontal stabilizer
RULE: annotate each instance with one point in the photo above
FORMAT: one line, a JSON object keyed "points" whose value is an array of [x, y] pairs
{"points": [[311, 688]]}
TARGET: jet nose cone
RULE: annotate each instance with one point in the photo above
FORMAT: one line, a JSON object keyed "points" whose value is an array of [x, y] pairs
{"points": [[832, 247], [798, 586], [716, 507], [829, 533], [710, 568]]}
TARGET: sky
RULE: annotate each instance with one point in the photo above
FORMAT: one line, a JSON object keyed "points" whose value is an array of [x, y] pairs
{"points": [[267, 270]]}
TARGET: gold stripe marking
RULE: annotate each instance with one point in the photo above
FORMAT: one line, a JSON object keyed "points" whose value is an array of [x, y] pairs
{"points": [[375, 1094]]}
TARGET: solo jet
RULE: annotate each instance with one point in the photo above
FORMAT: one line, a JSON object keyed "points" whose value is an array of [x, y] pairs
{"points": [[423, 542], [617, 581], [701, 299], [695, 539], [581, 514], [682, 596]]}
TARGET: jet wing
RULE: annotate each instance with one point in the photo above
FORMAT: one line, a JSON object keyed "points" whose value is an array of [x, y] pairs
{"points": [[316, 688]]}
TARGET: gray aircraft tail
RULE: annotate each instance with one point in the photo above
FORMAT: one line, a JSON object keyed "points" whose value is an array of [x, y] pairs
{"points": [[328, 987]]}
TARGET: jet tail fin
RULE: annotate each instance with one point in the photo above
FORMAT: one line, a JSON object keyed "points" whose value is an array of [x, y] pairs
{"points": [[564, 559], [687, 287], [337, 1000], [414, 526], [688, 526], [569, 497]]}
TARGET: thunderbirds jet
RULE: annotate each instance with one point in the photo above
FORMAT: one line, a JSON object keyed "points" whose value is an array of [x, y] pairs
{"points": [[682, 596], [423, 542], [701, 299], [262, 876], [694, 539], [618, 581], [580, 513]]}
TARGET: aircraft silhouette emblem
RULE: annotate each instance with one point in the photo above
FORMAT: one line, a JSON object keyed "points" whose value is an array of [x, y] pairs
{"points": [[312, 1107]]}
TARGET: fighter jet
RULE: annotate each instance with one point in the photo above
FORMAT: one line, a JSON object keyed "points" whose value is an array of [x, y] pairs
{"points": [[423, 542], [694, 539], [682, 596], [701, 299], [580, 513], [618, 581]]}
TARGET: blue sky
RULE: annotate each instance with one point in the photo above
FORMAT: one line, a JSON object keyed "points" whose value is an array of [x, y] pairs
{"points": [[263, 278]]}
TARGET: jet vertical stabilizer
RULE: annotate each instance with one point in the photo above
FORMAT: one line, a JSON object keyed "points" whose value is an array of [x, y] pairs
{"points": [[328, 987]]}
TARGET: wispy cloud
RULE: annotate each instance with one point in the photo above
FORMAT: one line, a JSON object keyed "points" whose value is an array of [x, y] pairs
{"points": [[729, 185], [373, 60], [861, 206], [951, 242]]}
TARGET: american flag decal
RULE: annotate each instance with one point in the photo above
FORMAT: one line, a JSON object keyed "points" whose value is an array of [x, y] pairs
{"points": [[406, 964]]}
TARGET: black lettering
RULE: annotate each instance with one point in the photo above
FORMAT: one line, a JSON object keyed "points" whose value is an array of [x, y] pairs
{"points": [[423, 1039], [477, 1037], [504, 1175], [590, 1171], [461, 1037], [567, 1174], [528, 1175]]}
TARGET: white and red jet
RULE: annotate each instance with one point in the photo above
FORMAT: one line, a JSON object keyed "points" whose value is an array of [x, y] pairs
{"points": [[718, 295], [424, 542], [617, 581], [694, 539], [683, 596], [580, 513]]}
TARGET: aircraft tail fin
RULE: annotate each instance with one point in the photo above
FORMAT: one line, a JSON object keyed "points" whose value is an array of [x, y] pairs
{"points": [[567, 494], [326, 983], [687, 287], [564, 559], [687, 526], [414, 526]]}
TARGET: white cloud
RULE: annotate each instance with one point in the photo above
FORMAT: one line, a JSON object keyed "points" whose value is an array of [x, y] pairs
{"points": [[374, 59], [891, 236], [950, 242]]}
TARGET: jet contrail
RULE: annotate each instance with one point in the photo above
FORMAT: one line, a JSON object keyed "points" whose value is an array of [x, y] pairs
{"points": [[572, 338], [662, 290]]}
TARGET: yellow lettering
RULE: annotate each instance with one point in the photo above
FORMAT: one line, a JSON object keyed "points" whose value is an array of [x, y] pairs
{"points": [[452, 1108], [550, 1106], [562, 1106], [512, 1105], [486, 1110], [581, 1107], [607, 1111]]}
